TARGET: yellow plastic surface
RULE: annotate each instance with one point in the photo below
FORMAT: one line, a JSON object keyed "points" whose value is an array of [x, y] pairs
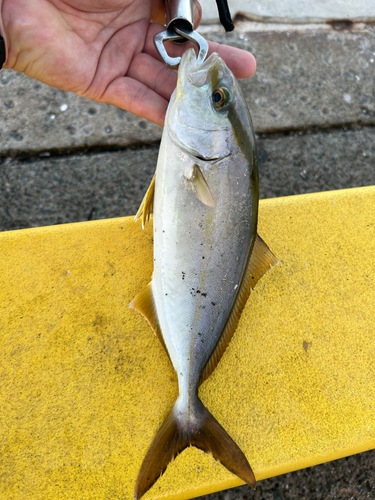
{"points": [[84, 384]]}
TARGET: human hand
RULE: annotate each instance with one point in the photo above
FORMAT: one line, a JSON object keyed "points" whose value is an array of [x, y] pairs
{"points": [[101, 49]]}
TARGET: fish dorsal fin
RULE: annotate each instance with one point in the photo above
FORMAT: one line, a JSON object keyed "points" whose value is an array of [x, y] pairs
{"points": [[144, 304], [201, 187], [147, 205], [260, 261]]}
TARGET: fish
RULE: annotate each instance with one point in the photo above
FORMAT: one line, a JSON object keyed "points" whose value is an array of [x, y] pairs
{"points": [[207, 254]]}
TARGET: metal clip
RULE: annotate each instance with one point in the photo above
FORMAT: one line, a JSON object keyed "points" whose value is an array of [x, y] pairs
{"points": [[180, 33], [180, 29]]}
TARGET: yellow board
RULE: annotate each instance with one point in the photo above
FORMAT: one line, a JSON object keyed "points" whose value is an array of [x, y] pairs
{"points": [[84, 384]]}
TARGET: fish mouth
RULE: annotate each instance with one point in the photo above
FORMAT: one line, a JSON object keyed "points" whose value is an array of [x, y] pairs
{"points": [[196, 73], [193, 153], [208, 160]]}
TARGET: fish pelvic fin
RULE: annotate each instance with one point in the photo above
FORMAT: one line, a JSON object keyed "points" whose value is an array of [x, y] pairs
{"points": [[180, 430], [200, 186], [147, 205], [261, 259]]}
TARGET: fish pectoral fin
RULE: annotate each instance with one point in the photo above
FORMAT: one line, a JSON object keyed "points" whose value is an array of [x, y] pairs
{"points": [[200, 186], [147, 205], [260, 261], [175, 435], [144, 304]]}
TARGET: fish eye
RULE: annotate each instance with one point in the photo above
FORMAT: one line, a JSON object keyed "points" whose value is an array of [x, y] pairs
{"points": [[220, 97]]}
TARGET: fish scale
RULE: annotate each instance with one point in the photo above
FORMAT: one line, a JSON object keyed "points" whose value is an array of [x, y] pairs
{"points": [[189, 231]]}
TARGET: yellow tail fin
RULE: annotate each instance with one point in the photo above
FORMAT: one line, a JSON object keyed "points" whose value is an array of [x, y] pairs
{"points": [[182, 429]]}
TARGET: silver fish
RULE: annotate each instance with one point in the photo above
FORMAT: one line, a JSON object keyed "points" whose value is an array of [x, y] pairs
{"points": [[207, 255]]}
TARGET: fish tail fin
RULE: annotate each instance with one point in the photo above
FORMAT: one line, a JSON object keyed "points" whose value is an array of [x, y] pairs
{"points": [[168, 443], [213, 438], [199, 429]]}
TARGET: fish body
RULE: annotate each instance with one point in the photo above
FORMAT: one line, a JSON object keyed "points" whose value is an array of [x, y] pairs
{"points": [[207, 254]]}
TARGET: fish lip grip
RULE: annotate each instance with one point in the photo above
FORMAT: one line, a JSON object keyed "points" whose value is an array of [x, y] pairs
{"points": [[180, 34], [180, 29]]}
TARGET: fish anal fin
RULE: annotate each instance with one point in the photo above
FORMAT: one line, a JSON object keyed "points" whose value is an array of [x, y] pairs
{"points": [[200, 186], [261, 259], [147, 205], [195, 426], [145, 305]]}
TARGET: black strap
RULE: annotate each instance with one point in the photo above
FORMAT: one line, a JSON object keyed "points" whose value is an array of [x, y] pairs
{"points": [[2, 51], [224, 15]]}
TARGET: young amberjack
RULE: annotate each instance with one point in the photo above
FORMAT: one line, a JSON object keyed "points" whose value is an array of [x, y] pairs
{"points": [[207, 255]]}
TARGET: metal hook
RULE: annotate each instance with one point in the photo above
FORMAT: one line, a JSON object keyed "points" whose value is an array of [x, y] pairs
{"points": [[178, 34], [180, 29]]}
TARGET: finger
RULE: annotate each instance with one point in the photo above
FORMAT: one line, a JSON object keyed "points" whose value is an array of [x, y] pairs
{"points": [[158, 11], [197, 13], [154, 74], [114, 62], [240, 62], [137, 98]]}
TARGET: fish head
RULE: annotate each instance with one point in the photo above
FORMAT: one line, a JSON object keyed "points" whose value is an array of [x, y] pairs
{"points": [[208, 117]]}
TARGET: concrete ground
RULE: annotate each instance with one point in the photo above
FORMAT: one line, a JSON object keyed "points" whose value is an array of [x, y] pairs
{"points": [[292, 11], [66, 159]]}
